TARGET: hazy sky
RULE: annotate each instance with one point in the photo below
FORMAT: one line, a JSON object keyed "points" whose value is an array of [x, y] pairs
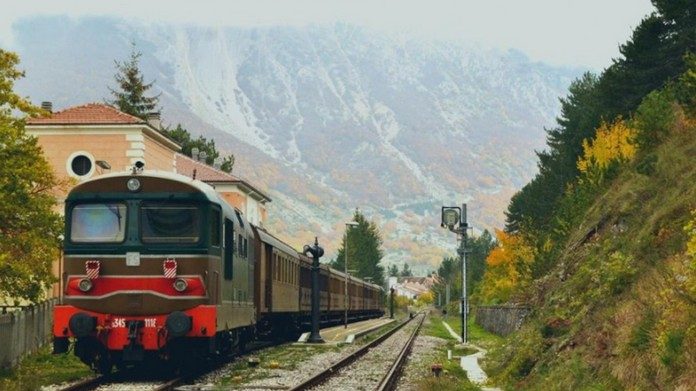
{"points": [[570, 32]]}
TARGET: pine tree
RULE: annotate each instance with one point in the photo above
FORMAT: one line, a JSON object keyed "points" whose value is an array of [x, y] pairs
{"points": [[182, 137], [406, 271], [393, 270], [365, 247], [29, 228], [130, 93]]}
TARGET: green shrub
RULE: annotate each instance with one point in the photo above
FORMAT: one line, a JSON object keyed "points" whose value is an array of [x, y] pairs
{"points": [[646, 166], [641, 335], [653, 118], [674, 345]]}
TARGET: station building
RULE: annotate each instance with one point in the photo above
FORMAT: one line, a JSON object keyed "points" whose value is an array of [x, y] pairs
{"points": [[84, 141]]}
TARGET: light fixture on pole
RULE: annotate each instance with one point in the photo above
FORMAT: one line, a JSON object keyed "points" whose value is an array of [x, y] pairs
{"points": [[345, 270], [454, 219]]}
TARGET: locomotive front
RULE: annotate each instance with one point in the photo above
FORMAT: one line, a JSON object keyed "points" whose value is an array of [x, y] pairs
{"points": [[141, 259]]}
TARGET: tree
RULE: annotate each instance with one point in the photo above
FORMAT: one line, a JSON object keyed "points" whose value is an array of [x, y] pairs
{"points": [[508, 268], [365, 250], [130, 95], [29, 229], [406, 271], [393, 270], [182, 137], [450, 270]]}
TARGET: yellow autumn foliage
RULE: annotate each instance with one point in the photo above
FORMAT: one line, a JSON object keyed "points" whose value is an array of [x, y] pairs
{"points": [[613, 143], [507, 268]]}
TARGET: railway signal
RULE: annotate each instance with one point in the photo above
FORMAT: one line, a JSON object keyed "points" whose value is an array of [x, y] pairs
{"points": [[454, 219], [316, 252]]}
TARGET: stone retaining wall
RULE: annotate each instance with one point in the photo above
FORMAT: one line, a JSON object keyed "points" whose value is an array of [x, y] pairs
{"points": [[500, 319]]}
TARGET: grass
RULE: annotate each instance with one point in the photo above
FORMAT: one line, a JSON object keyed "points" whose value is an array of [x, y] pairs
{"points": [[43, 368], [453, 377], [477, 335]]}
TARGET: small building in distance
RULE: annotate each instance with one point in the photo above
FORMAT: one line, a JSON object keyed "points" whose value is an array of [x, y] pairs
{"points": [[411, 287]]}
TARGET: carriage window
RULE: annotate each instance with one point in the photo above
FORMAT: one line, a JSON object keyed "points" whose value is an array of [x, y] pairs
{"points": [[169, 223], [98, 223], [215, 228], [229, 249], [240, 245]]}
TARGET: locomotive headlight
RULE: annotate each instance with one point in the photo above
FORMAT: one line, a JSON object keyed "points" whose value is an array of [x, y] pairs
{"points": [[85, 285], [180, 285], [133, 184]]}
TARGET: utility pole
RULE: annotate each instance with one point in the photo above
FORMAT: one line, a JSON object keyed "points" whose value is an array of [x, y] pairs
{"points": [[316, 252], [454, 219], [465, 302]]}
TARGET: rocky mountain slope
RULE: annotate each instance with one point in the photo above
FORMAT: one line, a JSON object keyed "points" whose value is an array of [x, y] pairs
{"points": [[328, 118]]}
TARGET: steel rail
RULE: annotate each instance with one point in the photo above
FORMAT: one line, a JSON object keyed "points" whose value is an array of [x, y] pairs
{"points": [[86, 384], [391, 378], [327, 373]]}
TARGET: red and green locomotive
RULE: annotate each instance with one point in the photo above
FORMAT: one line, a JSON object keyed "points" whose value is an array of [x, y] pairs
{"points": [[157, 266]]}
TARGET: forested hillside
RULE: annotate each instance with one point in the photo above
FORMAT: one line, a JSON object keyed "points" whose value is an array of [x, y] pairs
{"points": [[602, 242]]}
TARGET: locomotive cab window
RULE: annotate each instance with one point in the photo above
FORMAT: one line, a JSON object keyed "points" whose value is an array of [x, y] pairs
{"points": [[169, 223], [98, 223]]}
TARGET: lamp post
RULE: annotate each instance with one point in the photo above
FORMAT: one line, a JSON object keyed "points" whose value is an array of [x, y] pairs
{"points": [[316, 253], [345, 270], [454, 219]]}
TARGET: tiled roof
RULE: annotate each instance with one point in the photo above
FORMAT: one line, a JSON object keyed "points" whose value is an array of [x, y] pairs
{"points": [[90, 114], [185, 166]]}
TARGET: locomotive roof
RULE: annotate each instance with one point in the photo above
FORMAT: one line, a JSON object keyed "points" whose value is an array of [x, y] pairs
{"points": [[202, 187]]}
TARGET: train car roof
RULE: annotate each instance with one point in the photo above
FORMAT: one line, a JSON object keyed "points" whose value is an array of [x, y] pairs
{"points": [[266, 237]]}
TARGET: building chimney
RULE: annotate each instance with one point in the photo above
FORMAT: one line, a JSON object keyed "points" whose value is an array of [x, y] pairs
{"points": [[48, 106], [154, 120], [203, 157]]}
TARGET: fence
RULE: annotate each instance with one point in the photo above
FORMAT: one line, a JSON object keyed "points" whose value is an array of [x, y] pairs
{"points": [[24, 331], [501, 319]]}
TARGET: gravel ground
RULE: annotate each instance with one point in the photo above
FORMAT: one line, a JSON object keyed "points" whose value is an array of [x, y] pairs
{"points": [[309, 363], [423, 354], [368, 371], [274, 379], [129, 386]]}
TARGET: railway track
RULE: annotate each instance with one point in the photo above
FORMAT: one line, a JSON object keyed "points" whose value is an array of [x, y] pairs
{"points": [[347, 367], [110, 383], [126, 381]]}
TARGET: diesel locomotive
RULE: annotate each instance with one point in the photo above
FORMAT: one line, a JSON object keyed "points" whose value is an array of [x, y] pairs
{"points": [[157, 266]]}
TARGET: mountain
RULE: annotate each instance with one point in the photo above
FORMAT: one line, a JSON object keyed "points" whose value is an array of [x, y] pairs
{"points": [[328, 118]]}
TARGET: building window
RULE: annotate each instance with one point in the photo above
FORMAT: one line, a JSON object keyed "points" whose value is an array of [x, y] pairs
{"points": [[80, 165]]}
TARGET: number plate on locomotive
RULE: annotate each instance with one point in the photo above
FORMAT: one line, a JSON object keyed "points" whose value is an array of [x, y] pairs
{"points": [[133, 259]]}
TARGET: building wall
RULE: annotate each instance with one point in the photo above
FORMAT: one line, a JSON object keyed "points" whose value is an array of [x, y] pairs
{"points": [[234, 198], [59, 149], [156, 155]]}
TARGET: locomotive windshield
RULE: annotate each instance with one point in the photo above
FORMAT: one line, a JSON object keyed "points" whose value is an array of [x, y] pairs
{"points": [[169, 223], [98, 223]]}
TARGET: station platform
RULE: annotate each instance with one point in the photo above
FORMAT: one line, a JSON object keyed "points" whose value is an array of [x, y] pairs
{"points": [[340, 334]]}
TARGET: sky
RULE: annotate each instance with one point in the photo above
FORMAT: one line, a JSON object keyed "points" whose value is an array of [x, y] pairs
{"points": [[582, 33]]}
